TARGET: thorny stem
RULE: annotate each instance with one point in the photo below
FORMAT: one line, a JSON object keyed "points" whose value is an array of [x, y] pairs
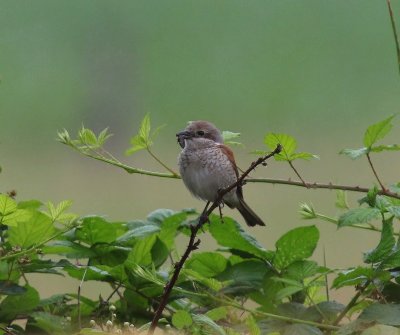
{"points": [[298, 174], [396, 39], [194, 242], [375, 173]]}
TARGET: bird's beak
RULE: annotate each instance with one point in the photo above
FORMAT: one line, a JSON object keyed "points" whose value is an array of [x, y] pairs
{"points": [[182, 136]]}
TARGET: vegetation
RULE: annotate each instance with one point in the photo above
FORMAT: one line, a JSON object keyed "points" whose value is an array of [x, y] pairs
{"points": [[241, 287]]}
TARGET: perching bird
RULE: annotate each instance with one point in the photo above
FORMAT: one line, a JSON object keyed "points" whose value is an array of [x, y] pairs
{"points": [[208, 166]]}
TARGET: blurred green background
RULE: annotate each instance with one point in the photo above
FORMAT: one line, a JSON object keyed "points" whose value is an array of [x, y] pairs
{"points": [[321, 71]]}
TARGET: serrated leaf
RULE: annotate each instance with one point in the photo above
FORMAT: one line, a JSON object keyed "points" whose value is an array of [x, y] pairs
{"points": [[34, 231], [211, 283], [231, 234], [288, 143], [209, 264], [69, 249], [7, 205], [181, 319], [103, 136], [377, 131], [297, 244], [51, 324], [142, 139], [141, 252], [353, 277], [56, 211], [341, 199], [300, 270], [358, 215], [354, 153], [16, 217], [395, 210], [388, 314], [87, 137], [229, 136], [381, 330], [385, 245], [94, 229]]}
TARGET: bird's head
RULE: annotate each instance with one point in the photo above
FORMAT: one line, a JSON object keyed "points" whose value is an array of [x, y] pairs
{"points": [[199, 129]]}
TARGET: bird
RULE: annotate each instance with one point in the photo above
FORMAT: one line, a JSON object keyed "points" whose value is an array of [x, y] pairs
{"points": [[208, 166]]}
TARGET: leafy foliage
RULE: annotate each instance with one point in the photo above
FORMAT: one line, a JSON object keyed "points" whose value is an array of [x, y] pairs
{"points": [[240, 287]]}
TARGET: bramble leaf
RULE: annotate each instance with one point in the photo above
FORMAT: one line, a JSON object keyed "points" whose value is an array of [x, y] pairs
{"points": [[297, 244], [385, 245], [388, 314], [354, 153], [358, 215], [377, 131], [181, 319]]}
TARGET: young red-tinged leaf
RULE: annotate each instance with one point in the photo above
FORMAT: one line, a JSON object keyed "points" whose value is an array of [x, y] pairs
{"points": [[377, 131]]}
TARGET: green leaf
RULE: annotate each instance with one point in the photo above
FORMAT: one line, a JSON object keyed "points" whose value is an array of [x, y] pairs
{"points": [[30, 204], [7, 205], [8, 287], [142, 229], [95, 229], [56, 212], [395, 210], [99, 272], [68, 249], [377, 131], [211, 283], [209, 264], [358, 215], [229, 136], [288, 143], [141, 252], [34, 231], [252, 326], [303, 269], [87, 137], [210, 326], [388, 314], [287, 292], [354, 153], [14, 305], [297, 244], [381, 330], [301, 329], [181, 319], [304, 155], [389, 147], [218, 313], [247, 275], [231, 234], [159, 253], [353, 277], [16, 217], [341, 199], [51, 324], [385, 245]]}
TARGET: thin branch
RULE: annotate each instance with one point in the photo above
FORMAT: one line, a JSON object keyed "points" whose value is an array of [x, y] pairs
{"points": [[161, 163], [315, 185], [298, 174], [79, 295], [375, 173], [194, 242], [352, 302], [396, 39]]}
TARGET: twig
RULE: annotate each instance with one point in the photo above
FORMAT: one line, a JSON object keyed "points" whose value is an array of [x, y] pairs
{"points": [[352, 302], [396, 39], [298, 174], [79, 295], [375, 173], [316, 185], [194, 242], [160, 162]]}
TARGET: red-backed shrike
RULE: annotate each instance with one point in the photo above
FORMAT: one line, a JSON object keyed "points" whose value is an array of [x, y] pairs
{"points": [[208, 166]]}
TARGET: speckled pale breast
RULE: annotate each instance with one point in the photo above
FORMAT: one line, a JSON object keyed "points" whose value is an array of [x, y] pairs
{"points": [[205, 170]]}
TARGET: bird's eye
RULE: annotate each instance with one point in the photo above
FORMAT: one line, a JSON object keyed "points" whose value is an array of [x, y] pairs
{"points": [[200, 133]]}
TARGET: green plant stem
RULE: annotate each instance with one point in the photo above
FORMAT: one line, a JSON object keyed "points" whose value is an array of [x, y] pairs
{"points": [[297, 173], [161, 163], [396, 39], [233, 303], [34, 248], [312, 185], [356, 225], [375, 173], [352, 302]]}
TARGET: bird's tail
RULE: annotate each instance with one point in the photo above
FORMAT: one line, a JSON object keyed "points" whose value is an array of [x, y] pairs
{"points": [[251, 218]]}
